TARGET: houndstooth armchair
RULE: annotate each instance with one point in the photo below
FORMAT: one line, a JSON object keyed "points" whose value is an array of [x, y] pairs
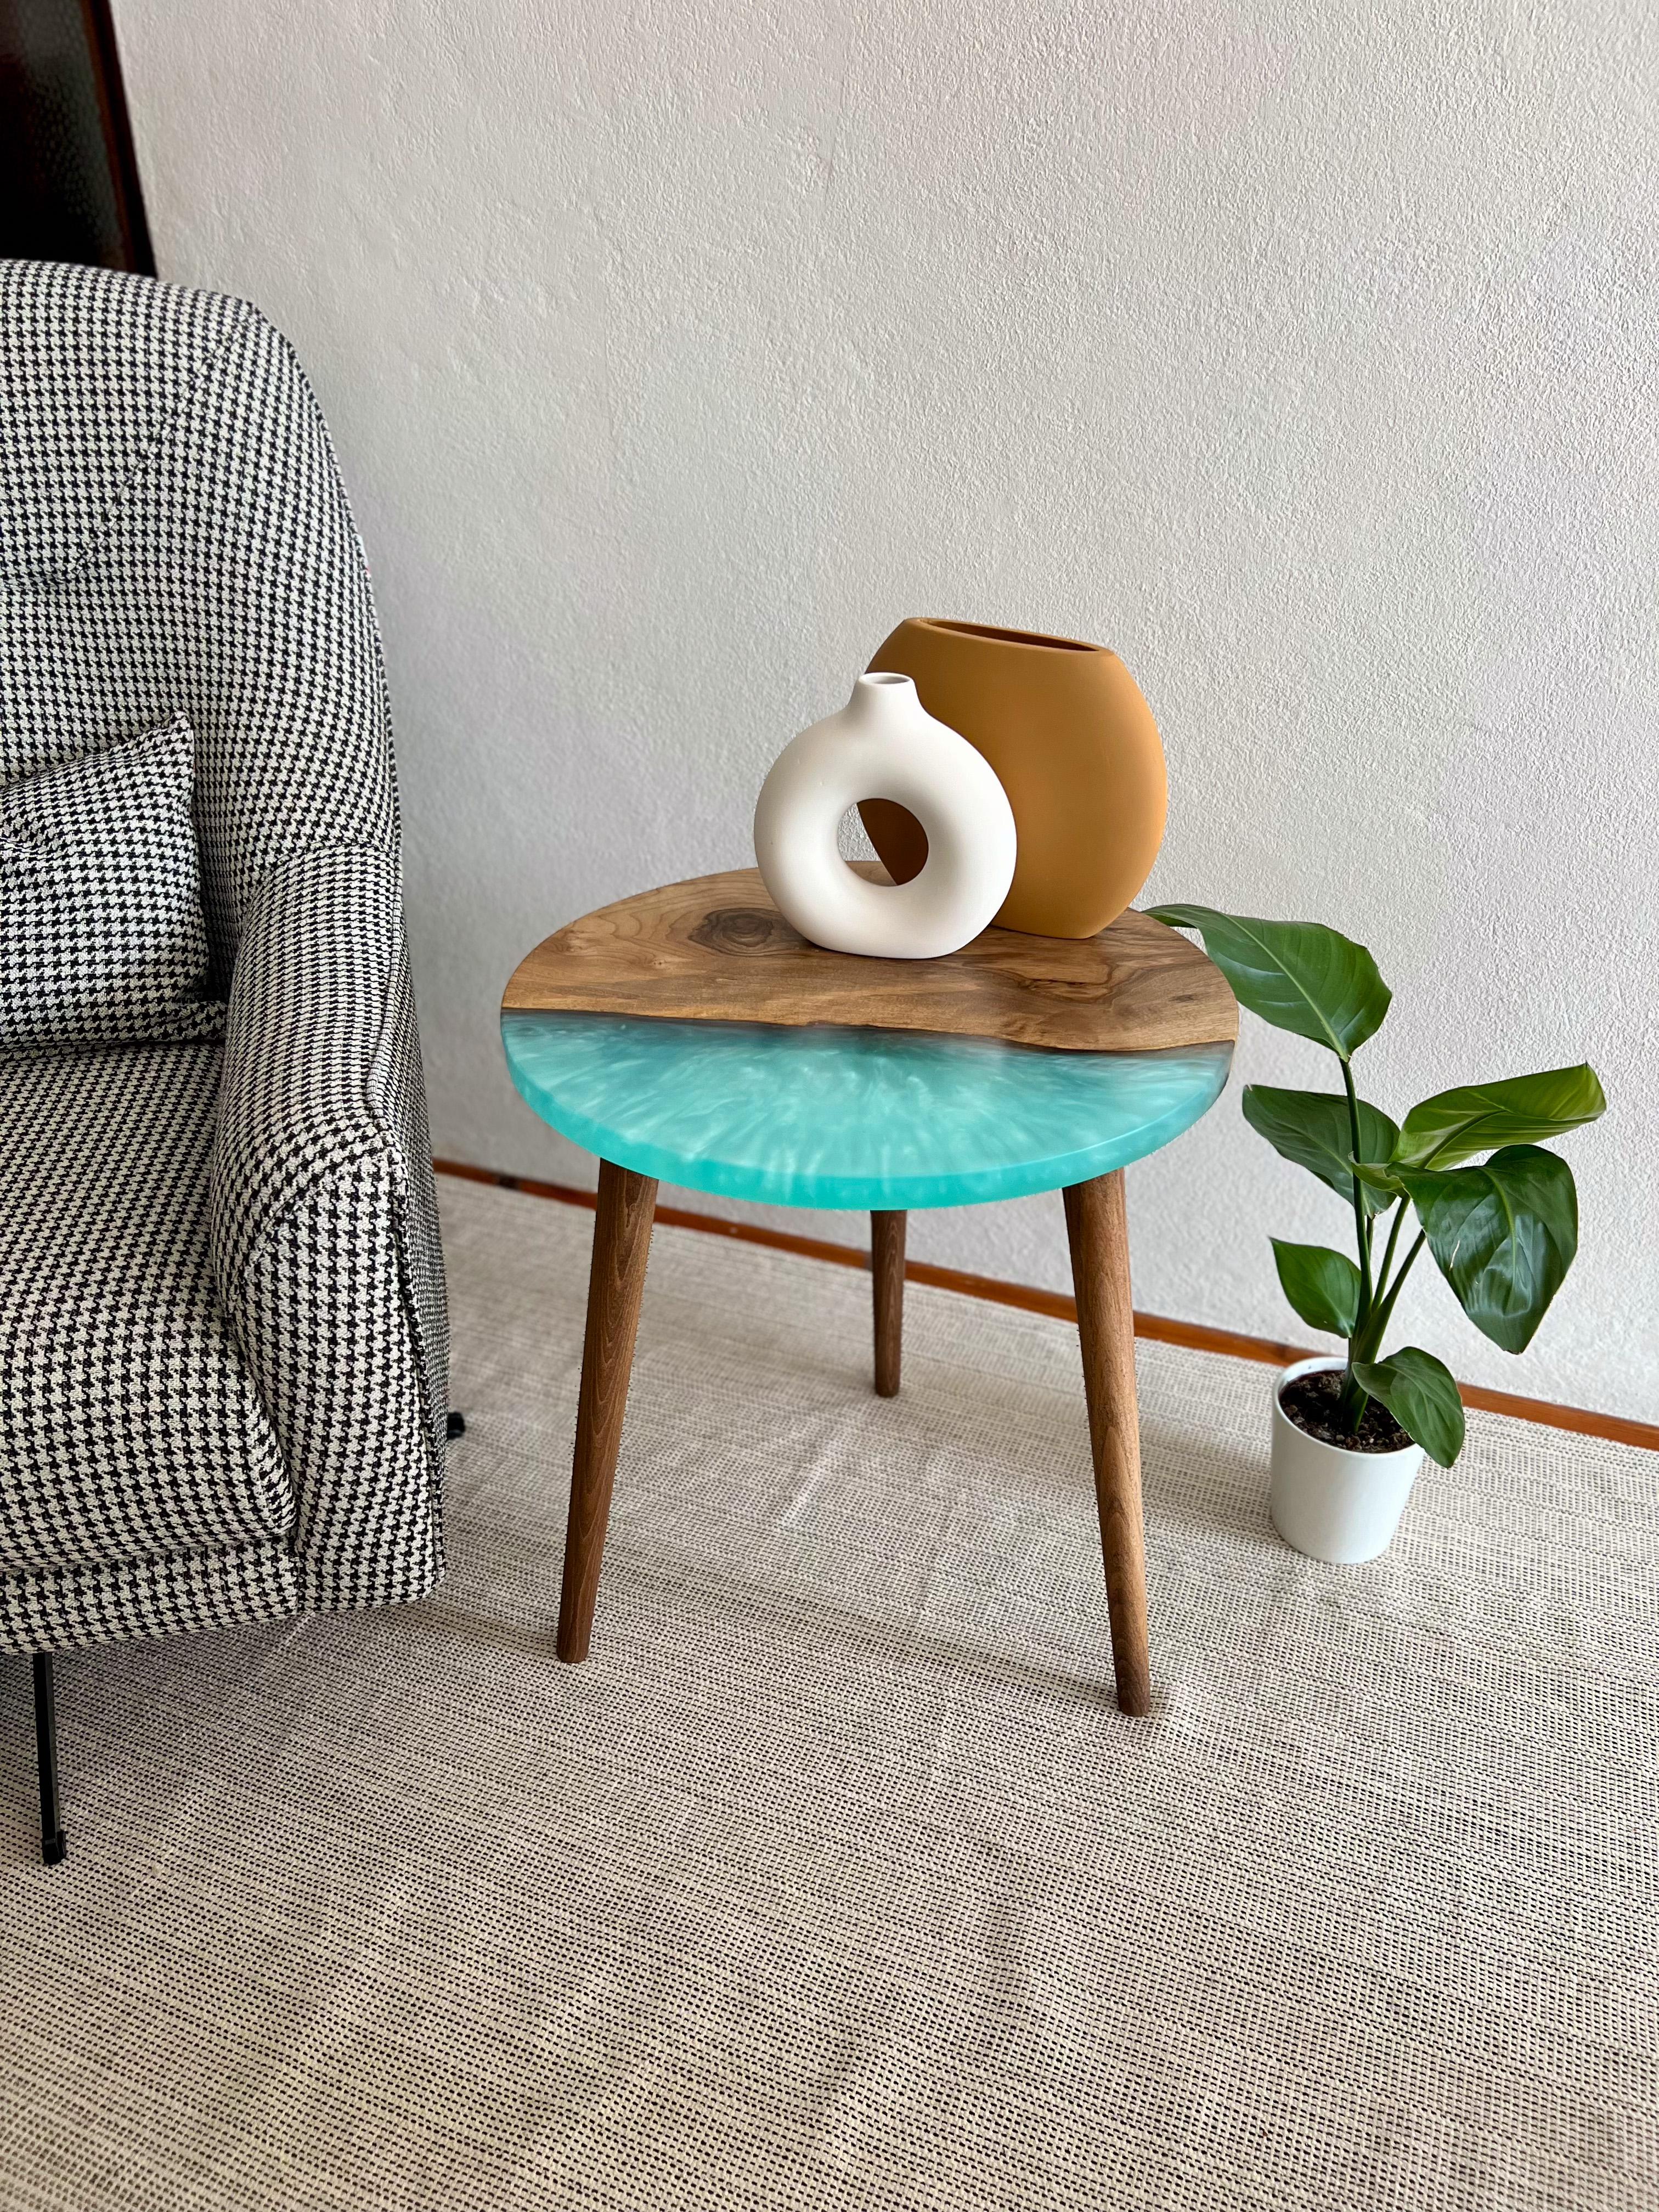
{"points": [[223, 1327]]}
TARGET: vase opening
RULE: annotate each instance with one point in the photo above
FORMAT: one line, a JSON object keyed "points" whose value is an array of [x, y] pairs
{"points": [[904, 841], [1013, 636], [880, 679]]}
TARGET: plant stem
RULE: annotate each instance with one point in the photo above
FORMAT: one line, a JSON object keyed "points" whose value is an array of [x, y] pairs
{"points": [[1384, 1313], [1352, 1400], [1362, 1226], [1366, 1342], [1351, 1405], [1367, 1331], [1387, 1249]]}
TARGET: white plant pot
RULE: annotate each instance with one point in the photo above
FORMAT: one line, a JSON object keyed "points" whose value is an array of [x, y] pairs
{"points": [[1343, 1506], [884, 743]]}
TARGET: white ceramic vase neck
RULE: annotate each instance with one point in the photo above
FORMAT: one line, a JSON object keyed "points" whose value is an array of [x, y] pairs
{"points": [[884, 744]]}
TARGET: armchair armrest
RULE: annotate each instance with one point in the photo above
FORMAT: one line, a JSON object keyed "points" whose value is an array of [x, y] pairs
{"points": [[323, 1220]]}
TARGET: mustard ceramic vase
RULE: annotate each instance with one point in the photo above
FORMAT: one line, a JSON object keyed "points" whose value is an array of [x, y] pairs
{"points": [[1074, 746]]}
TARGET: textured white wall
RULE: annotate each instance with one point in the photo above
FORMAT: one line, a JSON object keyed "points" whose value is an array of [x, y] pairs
{"points": [[674, 351]]}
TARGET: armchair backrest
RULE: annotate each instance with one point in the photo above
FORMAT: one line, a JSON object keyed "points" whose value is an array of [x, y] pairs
{"points": [[173, 534]]}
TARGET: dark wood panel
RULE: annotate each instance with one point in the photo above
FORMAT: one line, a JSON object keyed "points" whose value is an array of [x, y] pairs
{"points": [[69, 178]]}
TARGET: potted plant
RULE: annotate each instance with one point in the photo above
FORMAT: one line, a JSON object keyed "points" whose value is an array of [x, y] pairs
{"points": [[1499, 1214]]}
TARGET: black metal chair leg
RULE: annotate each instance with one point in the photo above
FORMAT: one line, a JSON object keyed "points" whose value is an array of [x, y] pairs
{"points": [[53, 1843]]}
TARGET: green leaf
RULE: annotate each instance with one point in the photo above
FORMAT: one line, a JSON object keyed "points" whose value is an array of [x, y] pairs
{"points": [[1383, 1183], [1321, 1285], [1422, 1397], [1311, 1128], [1298, 975], [1503, 1235], [1456, 1125]]}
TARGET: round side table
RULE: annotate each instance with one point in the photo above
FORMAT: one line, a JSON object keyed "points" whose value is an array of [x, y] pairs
{"points": [[690, 1036]]}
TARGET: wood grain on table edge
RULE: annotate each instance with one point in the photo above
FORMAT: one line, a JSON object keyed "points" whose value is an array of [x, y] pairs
{"points": [[716, 949]]}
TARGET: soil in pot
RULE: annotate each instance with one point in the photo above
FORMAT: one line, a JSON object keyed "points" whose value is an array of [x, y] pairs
{"points": [[1310, 1401]]}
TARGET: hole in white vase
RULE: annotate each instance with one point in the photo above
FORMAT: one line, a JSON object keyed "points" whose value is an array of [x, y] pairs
{"points": [[887, 832], [852, 841]]}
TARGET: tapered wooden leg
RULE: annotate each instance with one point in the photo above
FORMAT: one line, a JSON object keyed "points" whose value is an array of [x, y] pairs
{"points": [[887, 1267], [622, 1244], [1097, 1228]]}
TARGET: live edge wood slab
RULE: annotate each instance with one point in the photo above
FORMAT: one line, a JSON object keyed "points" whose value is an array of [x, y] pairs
{"points": [[716, 949]]}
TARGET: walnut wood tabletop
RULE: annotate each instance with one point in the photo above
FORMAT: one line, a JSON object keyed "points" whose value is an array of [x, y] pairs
{"points": [[689, 1034], [716, 949]]}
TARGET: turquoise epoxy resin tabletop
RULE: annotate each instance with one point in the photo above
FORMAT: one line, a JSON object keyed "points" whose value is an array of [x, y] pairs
{"points": [[837, 1117]]}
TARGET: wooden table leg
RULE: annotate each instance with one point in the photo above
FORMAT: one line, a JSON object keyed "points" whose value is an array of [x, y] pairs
{"points": [[1097, 1227], [622, 1244], [887, 1268]]}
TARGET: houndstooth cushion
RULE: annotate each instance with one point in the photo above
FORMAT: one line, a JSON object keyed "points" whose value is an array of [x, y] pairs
{"points": [[173, 538], [101, 935], [130, 1429]]}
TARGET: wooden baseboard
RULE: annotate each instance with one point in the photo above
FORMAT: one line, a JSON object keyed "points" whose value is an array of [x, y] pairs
{"points": [[1157, 1328]]}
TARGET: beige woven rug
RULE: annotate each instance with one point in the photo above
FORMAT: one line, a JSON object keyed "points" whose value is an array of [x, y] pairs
{"points": [[834, 1879]]}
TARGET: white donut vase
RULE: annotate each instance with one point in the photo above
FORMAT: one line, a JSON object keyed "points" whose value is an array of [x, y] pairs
{"points": [[884, 743]]}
